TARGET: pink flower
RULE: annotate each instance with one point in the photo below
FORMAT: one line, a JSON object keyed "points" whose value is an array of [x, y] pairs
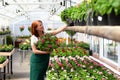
{"points": [[50, 46], [91, 67], [100, 73], [42, 40], [66, 60]]}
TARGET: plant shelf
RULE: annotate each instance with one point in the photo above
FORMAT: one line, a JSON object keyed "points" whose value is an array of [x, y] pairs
{"points": [[7, 53]]}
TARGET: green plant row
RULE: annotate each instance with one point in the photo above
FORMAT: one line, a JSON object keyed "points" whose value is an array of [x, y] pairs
{"points": [[25, 36], [80, 44], [6, 48], [69, 51], [4, 32], [24, 46]]}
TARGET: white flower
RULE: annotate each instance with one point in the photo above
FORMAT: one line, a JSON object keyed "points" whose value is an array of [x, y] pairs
{"points": [[63, 57], [72, 70], [70, 57], [87, 76], [65, 71], [93, 77], [53, 78], [52, 69]]}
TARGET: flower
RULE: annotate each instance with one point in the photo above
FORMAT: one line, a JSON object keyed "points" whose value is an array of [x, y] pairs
{"points": [[47, 43]]}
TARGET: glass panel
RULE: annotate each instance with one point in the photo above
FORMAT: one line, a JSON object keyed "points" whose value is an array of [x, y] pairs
{"points": [[95, 44], [110, 50]]}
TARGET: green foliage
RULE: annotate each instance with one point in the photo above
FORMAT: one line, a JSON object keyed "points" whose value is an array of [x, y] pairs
{"points": [[24, 46], [29, 28], [75, 13], [80, 44], [107, 6], [25, 36], [84, 45], [2, 59], [70, 51], [3, 32], [6, 48], [9, 40], [70, 33]]}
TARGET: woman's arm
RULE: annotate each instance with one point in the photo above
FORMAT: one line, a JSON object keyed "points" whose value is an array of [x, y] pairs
{"points": [[36, 51], [54, 32]]}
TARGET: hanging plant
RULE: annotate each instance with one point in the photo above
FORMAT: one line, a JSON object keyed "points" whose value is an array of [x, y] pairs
{"points": [[29, 28], [70, 33], [49, 29], [21, 28]]}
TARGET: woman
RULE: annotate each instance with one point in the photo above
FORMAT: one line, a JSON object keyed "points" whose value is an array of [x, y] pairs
{"points": [[39, 59]]}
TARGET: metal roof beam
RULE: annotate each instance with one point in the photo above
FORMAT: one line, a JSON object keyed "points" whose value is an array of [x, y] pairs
{"points": [[33, 3]]}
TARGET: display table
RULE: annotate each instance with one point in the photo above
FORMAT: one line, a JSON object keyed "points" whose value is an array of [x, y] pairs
{"points": [[3, 66], [9, 56]]}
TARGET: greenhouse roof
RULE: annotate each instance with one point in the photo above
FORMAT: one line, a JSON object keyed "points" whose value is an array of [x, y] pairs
{"points": [[32, 9]]}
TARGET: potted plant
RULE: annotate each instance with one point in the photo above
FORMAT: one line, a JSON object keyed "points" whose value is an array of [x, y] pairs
{"points": [[99, 8], [29, 28], [47, 43], [66, 16], [21, 29], [71, 34], [75, 14]]}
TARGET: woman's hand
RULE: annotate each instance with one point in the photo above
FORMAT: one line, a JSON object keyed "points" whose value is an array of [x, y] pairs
{"points": [[48, 52], [54, 32]]}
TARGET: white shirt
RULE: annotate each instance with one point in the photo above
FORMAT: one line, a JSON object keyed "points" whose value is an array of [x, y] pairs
{"points": [[34, 40]]}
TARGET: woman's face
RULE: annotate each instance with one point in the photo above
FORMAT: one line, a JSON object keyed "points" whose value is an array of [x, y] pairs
{"points": [[40, 27]]}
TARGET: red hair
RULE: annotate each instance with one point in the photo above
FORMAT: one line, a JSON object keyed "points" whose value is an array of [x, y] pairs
{"points": [[34, 26]]}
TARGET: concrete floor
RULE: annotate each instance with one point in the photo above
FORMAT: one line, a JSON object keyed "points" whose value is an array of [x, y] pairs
{"points": [[21, 69]]}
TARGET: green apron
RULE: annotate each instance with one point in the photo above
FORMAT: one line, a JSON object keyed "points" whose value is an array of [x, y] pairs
{"points": [[38, 66]]}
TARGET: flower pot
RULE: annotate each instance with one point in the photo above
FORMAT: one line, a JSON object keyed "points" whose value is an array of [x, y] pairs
{"points": [[70, 22], [79, 23], [113, 19], [76, 23]]}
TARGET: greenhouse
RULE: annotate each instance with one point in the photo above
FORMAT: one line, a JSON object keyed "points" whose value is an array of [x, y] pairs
{"points": [[59, 39]]}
